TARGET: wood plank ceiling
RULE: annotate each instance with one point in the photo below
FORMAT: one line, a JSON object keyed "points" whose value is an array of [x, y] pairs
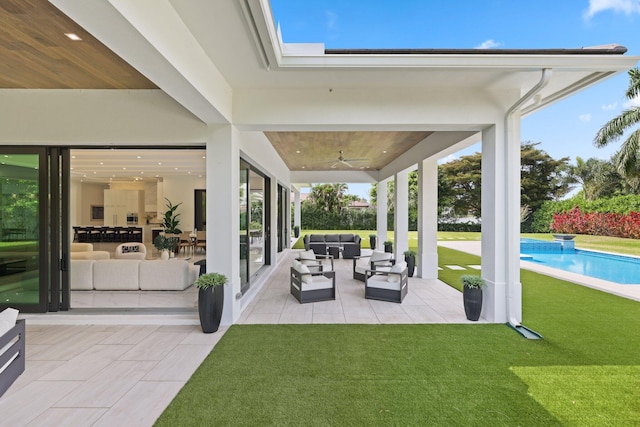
{"points": [[317, 151], [36, 54]]}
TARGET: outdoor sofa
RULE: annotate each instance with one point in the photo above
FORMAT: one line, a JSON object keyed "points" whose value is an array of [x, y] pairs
{"points": [[321, 244]]}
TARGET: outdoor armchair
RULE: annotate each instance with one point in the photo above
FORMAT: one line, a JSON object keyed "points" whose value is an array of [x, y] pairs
{"points": [[312, 287], [376, 261], [389, 285]]}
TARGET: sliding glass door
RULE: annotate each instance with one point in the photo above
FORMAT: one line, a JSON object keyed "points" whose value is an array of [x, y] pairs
{"points": [[33, 215], [254, 222]]}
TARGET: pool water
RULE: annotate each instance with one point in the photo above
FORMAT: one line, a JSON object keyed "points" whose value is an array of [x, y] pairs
{"points": [[614, 268]]}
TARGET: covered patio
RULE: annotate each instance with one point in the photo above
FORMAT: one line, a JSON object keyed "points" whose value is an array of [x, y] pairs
{"points": [[428, 301]]}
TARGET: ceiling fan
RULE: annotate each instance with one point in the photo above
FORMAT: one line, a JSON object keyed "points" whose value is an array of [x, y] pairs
{"points": [[342, 160]]}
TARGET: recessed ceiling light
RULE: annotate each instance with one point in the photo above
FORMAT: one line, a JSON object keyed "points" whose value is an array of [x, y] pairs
{"points": [[303, 167], [139, 157], [73, 157], [175, 168], [124, 169], [297, 151], [204, 157], [141, 172], [6, 155], [384, 151], [159, 163], [102, 163], [73, 36]]}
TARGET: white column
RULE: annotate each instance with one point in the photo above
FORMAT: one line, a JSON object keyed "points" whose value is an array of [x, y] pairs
{"points": [[223, 219], [381, 215], [272, 231], [427, 258], [495, 226], [401, 216], [297, 216]]}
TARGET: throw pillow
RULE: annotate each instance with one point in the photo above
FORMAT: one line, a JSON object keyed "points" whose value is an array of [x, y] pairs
{"points": [[306, 274], [380, 256], [398, 268], [130, 249], [308, 257], [8, 320]]}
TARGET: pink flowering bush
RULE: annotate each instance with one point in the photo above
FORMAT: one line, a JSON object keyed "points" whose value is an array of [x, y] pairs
{"points": [[597, 223]]}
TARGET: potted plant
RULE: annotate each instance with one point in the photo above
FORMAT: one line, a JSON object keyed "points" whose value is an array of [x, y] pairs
{"points": [[410, 259], [166, 245], [472, 295], [388, 246], [171, 220], [210, 300], [372, 241]]}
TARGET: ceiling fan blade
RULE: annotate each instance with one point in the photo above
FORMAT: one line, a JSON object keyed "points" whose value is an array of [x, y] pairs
{"points": [[333, 166], [347, 163]]}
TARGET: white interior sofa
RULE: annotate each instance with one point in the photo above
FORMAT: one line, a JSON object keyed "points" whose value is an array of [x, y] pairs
{"points": [[85, 251], [132, 275]]}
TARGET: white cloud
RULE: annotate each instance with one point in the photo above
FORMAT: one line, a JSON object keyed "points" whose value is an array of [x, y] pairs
{"points": [[585, 118], [635, 102], [489, 44], [447, 159], [332, 19], [628, 7], [608, 107]]}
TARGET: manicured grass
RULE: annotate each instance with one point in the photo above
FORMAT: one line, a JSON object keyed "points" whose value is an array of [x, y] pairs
{"points": [[585, 372]]}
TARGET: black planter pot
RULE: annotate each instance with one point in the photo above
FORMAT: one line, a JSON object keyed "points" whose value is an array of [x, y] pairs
{"points": [[472, 302], [388, 248], [411, 264], [372, 242], [210, 304]]}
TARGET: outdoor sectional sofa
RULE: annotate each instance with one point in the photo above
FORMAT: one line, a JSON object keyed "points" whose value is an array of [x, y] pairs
{"points": [[12, 348], [348, 244], [132, 275]]}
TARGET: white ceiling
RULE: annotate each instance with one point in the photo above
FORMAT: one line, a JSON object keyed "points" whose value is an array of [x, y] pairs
{"points": [[106, 165]]}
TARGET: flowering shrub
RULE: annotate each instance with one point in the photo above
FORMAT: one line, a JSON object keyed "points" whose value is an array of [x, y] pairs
{"points": [[597, 223]]}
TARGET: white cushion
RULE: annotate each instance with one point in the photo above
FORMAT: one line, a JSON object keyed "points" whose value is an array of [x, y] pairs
{"points": [[318, 282], [381, 282], [81, 274], [308, 256], [91, 255], [81, 247], [8, 319], [161, 275], [116, 275], [303, 270], [380, 256], [398, 268]]}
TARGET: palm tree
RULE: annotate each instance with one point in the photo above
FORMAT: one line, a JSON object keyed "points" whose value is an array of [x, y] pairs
{"points": [[627, 158]]}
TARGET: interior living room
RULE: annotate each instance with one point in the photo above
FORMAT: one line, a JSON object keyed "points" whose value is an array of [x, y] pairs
{"points": [[118, 199]]}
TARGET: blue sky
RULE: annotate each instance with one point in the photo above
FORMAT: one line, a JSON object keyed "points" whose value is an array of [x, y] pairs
{"points": [[564, 129]]}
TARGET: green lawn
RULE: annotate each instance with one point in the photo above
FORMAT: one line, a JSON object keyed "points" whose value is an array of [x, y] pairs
{"points": [[585, 372]]}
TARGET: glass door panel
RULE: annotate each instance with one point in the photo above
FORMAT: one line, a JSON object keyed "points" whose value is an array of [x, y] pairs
{"points": [[22, 206], [256, 222]]}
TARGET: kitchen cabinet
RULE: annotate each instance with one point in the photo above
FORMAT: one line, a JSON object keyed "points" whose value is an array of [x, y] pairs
{"points": [[123, 207]]}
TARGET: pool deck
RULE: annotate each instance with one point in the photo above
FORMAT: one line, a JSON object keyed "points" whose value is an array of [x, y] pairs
{"points": [[625, 291]]}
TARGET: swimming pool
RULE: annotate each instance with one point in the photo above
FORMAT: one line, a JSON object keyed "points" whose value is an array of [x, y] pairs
{"points": [[614, 268]]}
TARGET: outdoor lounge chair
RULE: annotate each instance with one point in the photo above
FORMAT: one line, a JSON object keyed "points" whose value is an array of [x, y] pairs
{"points": [[376, 261], [389, 285], [312, 287]]}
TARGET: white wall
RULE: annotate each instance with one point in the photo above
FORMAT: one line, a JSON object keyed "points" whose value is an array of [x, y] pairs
{"points": [[179, 189], [91, 194]]}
